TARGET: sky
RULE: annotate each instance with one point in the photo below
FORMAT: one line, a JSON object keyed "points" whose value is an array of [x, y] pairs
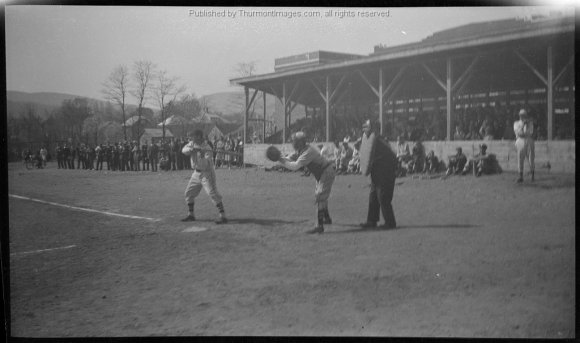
{"points": [[73, 49]]}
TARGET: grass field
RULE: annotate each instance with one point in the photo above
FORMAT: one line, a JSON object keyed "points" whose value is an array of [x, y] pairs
{"points": [[472, 257]]}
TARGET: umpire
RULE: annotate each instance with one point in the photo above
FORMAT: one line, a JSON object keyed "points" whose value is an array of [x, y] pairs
{"points": [[380, 162]]}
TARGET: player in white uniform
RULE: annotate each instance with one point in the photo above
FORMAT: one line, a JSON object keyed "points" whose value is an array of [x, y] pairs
{"points": [[323, 171], [201, 155], [524, 128]]}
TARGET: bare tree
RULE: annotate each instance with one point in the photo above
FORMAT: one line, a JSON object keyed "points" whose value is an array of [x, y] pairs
{"points": [[166, 91], [143, 72], [245, 69], [116, 88]]}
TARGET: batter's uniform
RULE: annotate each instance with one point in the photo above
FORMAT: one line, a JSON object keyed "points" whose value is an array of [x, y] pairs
{"points": [[524, 144], [324, 173], [203, 174]]}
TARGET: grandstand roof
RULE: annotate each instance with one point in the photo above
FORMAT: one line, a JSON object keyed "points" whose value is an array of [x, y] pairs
{"points": [[467, 36]]}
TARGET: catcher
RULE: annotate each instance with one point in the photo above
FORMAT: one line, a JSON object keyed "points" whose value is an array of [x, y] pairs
{"points": [[323, 171], [201, 155]]}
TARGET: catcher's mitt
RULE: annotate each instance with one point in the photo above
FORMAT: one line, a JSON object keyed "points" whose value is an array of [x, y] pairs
{"points": [[273, 154]]}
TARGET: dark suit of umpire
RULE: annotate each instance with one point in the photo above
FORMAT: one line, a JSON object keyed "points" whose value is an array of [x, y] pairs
{"points": [[382, 165]]}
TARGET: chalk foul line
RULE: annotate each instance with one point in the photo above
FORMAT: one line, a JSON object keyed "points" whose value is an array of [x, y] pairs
{"points": [[84, 209], [42, 250]]}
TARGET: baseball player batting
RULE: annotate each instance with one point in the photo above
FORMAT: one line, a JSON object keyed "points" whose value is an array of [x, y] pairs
{"points": [[201, 155]]}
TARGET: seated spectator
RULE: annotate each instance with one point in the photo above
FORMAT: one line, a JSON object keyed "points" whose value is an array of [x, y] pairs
{"points": [[431, 163], [456, 162], [403, 155], [327, 151], [354, 164], [473, 133], [459, 135], [508, 133], [345, 157], [337, 152], [417, 158], [164, 163], [482, 163], [486, 130]]}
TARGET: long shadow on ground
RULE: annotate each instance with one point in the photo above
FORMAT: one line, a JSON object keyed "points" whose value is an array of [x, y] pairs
{"points": [[356, 228]]}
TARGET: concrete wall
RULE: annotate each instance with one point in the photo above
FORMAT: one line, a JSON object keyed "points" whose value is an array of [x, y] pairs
{"points": [[561, 155]]}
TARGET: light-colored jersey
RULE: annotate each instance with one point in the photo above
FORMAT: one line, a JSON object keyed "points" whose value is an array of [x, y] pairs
{"points": [[201, 156], [328, 152], [524, 129], [310, 158]]}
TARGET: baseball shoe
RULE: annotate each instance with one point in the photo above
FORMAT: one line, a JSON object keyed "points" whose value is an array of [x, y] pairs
{"points": [[318, 229], [368, 225], [189, 218], [222, 220]]}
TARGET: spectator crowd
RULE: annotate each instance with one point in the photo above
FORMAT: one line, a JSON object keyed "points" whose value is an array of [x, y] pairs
{"points": [[130, 156]]}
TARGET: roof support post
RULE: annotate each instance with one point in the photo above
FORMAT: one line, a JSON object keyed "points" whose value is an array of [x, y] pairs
{"points": [[381, 94], [247, 93], [264, 123], [449, 99], [550, 91], [327, 101], [285, 111]]}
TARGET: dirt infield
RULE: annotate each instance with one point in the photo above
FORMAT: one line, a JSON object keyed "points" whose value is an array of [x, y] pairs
{"points": [[473, 257]]}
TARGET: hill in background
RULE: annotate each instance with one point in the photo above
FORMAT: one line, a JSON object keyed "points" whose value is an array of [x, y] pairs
{"points": [[228, 105]]}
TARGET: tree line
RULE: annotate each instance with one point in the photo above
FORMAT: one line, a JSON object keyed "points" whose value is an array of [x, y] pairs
{"points": [[88, 121]]}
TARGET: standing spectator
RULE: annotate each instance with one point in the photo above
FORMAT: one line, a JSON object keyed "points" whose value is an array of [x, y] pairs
{"points": [[145, 156], [78, 155], [179, 155], [173, 154], [109, 156], [59, 159], [524, 129], [43, 154], [91, 157], [153, 156], [136, 155], [241, 151], [220, 152], [227, 149], [117, 154], [126, 158], [99, 151]]}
